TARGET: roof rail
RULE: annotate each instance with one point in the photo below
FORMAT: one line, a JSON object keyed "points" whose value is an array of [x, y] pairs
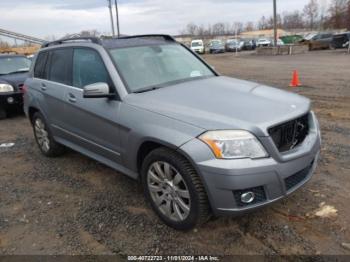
{"points": [[92, 39], [165, 37]]}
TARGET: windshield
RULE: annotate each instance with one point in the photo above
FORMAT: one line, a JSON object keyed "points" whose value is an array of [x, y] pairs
{"points": [[157, 65], [195, 44], [14, 64], [216, 43]]}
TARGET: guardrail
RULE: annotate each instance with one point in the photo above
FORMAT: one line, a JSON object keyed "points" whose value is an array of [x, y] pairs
{"points": [[23, 37], [283, 50]]}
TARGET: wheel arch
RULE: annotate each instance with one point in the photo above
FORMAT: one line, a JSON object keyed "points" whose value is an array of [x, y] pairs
{"points": [[31, 111], [148, 145]]}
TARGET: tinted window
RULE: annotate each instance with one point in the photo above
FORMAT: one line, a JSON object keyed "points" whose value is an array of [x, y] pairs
{"points": [[60, 66], [40, 65], [88, 68]]}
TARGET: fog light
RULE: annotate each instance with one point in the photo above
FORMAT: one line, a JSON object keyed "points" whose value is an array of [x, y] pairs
{"points": [[247, 197], [10, 100]]}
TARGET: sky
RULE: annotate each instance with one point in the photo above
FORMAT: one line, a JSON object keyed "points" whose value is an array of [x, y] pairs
{"points": [[47, 18]]}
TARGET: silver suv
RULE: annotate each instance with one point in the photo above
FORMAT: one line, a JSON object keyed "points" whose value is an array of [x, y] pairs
{"points": [[152, 109]]}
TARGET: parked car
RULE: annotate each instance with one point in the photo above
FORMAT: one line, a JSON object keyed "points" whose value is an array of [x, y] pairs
{"points": [[198, 46], [291, 39], [280, 42], [263, 42], [200, 143], [319, 41], [340, 40], [216, 46], [13, 71], [234, 44], [249, 44]]}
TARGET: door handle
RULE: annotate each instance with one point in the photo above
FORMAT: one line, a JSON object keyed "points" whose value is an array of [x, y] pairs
{"points": [[71, 98], [43, 86]]}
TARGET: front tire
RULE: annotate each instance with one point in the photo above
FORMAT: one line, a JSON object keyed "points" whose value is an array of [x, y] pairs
{"points": [[43, 137], [174, 189]]}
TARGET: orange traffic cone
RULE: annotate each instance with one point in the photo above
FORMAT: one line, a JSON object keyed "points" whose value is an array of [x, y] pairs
{"points": [[295, 80]]}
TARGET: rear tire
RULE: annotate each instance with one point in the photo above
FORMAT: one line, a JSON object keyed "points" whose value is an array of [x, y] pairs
{"points": [[174, 189], [43, 137], [3, 113]]}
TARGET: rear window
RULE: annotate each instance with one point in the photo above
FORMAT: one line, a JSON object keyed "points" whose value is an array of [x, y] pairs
{"points": [[60, 66], [40, 63]]}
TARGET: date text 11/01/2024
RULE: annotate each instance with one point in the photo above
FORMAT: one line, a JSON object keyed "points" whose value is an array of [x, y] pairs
{"points": [[173, 258]]}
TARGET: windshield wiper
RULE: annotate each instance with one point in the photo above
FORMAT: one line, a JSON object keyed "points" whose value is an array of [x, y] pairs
{"points": [[143, 90], [18, 71]]}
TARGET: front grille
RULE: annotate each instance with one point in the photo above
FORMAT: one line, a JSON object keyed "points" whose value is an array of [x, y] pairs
{"points": [[259, 193], [290, 134], [297, 178]]}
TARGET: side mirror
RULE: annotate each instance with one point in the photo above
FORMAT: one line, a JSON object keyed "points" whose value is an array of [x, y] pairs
{"points": [[97, 90]]}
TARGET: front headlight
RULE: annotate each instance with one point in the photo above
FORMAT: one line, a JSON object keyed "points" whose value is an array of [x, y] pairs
{"points": [[6, 88], [232, 144]]}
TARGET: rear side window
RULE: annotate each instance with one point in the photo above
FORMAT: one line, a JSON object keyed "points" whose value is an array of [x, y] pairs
{"points": [[88, 68], [60, 66], [39, 69]]}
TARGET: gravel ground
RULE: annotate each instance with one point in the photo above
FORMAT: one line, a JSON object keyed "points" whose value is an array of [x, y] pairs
{"points": [[74, 205]]}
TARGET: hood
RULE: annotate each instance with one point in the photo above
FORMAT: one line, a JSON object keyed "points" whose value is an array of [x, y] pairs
{"points": [[234, 44], [217, 46], [16, 80], [223, 103]]}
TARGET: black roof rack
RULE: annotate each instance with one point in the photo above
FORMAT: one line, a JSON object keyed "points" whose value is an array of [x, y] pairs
{"points": [[97, 40], [92, 39], [165, 37]]}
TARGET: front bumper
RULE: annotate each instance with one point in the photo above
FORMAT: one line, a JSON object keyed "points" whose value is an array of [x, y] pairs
{"points": [[233, 49], [11, 100], [270, 179], [199, 51], [217, 50]]}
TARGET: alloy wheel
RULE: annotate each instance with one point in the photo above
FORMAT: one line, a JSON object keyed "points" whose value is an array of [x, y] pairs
{"points": [[42, 136], [169, 191]]}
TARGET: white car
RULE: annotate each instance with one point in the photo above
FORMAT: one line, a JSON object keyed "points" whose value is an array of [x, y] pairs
{"points": [[280, 42], [197, 46], [263, 42]]}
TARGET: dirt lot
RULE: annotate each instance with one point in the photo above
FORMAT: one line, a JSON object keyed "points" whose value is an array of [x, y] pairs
{"points": [[74, 205]]}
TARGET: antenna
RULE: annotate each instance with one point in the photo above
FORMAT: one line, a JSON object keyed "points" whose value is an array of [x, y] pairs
{"points": [[111, 15], [117, 17]]}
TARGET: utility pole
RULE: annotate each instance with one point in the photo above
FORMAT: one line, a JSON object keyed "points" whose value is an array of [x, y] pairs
{"points": [[275, 22], [111, 15], [117, 16], [237, 42]]}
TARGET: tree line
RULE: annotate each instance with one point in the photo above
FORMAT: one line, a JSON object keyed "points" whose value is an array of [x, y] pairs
{"points": [[316, 15]]}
